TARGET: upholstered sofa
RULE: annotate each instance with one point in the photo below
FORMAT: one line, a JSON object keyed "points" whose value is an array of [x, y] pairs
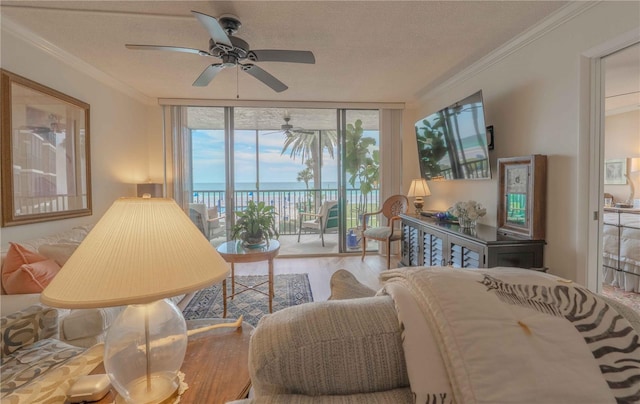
{"points": [[345, 351], [79, 327], [36, 367]]}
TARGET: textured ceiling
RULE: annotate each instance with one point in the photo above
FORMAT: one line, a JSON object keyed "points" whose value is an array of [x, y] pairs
{"points": [[366, 51]]}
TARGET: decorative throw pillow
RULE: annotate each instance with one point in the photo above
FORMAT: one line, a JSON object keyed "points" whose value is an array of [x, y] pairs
{"points": [[31, 278], [59, 252], [15, 258]]}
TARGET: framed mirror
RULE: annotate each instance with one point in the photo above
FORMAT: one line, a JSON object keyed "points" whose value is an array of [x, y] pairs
{"points": [[44, 145]]}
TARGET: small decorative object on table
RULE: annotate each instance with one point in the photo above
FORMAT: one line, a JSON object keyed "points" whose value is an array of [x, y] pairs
{"points": [[467, 213]]}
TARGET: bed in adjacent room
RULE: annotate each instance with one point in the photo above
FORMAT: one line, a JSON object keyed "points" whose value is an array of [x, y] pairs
{"points": [[621, 248]]}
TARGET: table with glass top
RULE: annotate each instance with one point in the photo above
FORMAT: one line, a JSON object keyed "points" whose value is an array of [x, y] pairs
{"points": [[234, 252]]}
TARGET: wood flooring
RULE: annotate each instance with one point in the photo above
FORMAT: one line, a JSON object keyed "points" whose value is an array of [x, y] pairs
{"points": [[320, 270]]}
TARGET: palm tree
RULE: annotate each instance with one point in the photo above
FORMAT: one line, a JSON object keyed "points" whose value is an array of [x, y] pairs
{"points": [[309, 146], [361, 163], [306, 175]]}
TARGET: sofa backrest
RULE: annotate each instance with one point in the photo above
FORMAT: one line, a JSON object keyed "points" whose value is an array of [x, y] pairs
{"points": [[76, 234]]}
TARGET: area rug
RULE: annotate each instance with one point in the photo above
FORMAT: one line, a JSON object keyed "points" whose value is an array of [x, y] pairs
{"points": [[290, 290]]}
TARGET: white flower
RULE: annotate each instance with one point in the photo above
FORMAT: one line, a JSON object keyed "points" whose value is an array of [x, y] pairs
{"points": [[470, 210]]}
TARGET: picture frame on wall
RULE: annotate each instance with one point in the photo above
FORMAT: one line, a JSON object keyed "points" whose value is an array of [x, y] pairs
{"points": [[44, 139], [614, 172], [522, 199]]}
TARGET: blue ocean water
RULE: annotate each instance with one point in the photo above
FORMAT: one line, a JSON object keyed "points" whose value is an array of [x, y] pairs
{"points": [[264, 186]]}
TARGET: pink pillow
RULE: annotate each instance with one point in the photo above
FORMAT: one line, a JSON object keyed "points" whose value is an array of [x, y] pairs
{"points": [[16, 257], [31, 278]]}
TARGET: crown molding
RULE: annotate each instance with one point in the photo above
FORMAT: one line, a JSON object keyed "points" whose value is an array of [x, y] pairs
{"points": [[192, 102], [74, 62], [547, 25]]}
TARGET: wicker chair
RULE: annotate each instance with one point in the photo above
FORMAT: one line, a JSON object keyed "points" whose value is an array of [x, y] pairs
{"points": [[391, 208], [327, 217]]}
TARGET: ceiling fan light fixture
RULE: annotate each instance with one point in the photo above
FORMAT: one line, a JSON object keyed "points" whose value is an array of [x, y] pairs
{"points": [[233, 50]]}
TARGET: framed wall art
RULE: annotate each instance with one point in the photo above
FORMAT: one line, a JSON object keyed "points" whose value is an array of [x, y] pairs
{"points": [[614, 172], [522, 199], [44, 144]]}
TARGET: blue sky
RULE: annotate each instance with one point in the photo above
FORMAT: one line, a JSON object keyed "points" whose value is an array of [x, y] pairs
{"points": [[208, 158]]}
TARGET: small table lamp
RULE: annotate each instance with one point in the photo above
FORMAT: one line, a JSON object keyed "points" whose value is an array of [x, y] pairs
{"points": [[142, 251], [153, 189], [634, 167], [418, 189]]}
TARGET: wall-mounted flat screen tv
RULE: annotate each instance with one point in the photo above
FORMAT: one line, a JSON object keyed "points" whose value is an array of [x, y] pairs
{"points": [[452, 142]]}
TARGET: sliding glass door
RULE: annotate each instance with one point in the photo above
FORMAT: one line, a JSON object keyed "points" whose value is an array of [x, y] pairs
{"points": [[360, 172], [297, 160]]}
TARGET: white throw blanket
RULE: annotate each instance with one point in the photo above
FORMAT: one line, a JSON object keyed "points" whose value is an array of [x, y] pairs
{"points": [[507, 335]]}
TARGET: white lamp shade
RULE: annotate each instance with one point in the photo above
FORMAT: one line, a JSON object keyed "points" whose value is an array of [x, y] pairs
{"points": [[634, 165], [140, 251], [419, 188]]}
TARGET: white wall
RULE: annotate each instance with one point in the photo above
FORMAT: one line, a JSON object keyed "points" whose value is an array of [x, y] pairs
{"points": [[534, 98], [119, 129], [622, 141]]}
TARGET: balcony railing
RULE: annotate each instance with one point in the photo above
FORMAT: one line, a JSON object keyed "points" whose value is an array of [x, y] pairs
{"points": [[289, 203]]}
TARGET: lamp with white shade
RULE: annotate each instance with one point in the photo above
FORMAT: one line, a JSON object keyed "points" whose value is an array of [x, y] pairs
{"points": [[418, 189], [142, 251], [634, 167]]}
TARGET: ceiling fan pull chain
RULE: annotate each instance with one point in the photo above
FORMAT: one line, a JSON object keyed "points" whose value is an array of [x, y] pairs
{"points": [[237, 82]]}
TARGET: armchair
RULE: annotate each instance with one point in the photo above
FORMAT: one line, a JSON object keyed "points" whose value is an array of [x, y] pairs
{"points": [[327, 217], [206, 219], [391, 208]]}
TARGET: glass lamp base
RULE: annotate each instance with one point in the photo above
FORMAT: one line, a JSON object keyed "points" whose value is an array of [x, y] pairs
{"points": [[164, 389], [144, 350]]}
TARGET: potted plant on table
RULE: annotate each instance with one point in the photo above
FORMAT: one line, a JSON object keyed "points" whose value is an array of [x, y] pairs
{"points": [[255, 225]]}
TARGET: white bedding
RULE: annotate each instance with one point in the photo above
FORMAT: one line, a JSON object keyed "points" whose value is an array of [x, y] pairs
{"points": [[508, 335], [621, 250]]}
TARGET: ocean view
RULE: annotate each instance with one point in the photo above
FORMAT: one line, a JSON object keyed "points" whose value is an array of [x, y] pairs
{"points": [[264, 186]]}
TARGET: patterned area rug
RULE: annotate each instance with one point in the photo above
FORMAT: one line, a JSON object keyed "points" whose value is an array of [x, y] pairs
{"points": [[290, 290]]}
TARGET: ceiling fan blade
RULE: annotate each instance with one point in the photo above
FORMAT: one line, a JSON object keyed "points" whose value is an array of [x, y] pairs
{"points": [[168, 48], [264, 77], [208, 74], [274, 55], [272, 132], [216, 32]]}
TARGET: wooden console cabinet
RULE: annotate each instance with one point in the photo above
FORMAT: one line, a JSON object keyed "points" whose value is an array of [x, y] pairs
{"points": [[429, 242]]}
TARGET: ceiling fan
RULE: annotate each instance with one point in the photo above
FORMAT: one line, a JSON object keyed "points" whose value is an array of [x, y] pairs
{"points": [[232, 50], [289, 130]]}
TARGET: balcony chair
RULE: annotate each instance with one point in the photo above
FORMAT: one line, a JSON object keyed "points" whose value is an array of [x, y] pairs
{"points": [[326, 218], [206, 219], [391, 208]]}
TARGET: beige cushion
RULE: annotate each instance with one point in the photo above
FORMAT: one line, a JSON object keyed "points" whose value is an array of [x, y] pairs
{"points": [[59, 252], [83, 323], [378, 232], [395, 396], [338, 347]]}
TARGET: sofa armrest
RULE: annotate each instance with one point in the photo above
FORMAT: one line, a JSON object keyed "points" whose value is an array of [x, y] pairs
{"points": [[339, 347], [86, 323], [27, 326]]}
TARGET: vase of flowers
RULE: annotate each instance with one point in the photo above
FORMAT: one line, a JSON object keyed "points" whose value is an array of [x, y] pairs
{"points": [[467, 213]]}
